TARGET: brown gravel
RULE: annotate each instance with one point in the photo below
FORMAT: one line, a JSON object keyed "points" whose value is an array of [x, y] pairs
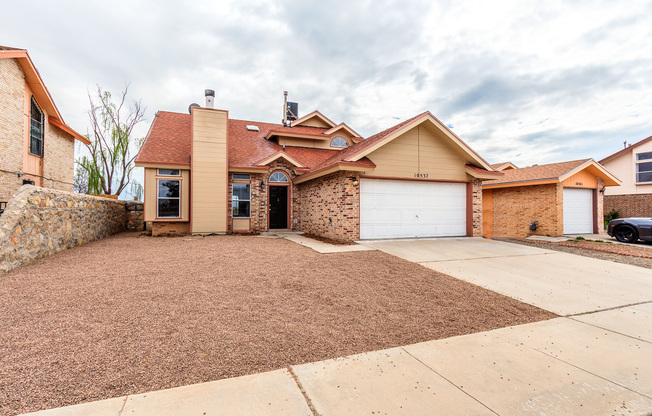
{"points": [[131, 314], [636, 255]]}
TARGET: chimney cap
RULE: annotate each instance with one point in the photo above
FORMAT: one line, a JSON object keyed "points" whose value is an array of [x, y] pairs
{"points": [[209, 93]]}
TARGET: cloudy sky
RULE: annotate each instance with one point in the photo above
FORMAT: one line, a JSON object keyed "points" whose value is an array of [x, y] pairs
{"points": [[528, 82]]}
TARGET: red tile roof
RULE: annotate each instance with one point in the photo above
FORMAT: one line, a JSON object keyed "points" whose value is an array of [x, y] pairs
{"points": [[625, 150], [168, 140], [537, 173]]}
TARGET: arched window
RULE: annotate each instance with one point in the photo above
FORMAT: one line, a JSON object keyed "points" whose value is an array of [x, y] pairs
{"points": [[278, 177], [339, 142]]}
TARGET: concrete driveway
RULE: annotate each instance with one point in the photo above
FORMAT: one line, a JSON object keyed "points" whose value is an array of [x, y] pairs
{"points": [[562, 283]]}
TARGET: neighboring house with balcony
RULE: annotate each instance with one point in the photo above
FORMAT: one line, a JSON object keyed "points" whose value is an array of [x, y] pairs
{"points": [[633, 165], [208, 173], [36, 145]]}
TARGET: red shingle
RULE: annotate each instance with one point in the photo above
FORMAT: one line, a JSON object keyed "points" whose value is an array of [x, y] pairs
{"points": [[535, 173]]}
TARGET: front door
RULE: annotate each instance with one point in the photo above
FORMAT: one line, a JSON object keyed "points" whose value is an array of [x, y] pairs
{"points": [[278, 207]]}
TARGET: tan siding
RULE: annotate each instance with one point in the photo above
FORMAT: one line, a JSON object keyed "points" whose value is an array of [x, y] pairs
{"points": [[418, 152], [624, 168], [581, 179], [209, 171], [151, 188], [315, 122], [241, 224]]}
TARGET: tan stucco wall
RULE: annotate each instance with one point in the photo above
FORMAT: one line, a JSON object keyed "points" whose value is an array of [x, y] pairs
{"points": [[624, 167], [418, 151]]}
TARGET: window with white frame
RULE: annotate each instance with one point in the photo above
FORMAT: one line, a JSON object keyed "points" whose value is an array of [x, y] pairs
{"points": [[278, 177], [241, 200], [339, 142], [644, 167], [169, 172], [168, 198]]}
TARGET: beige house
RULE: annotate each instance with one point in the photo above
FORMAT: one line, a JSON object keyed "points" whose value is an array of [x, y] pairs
{"points": [[633, 165], [553, 199], [36, 146], [208, 173]]}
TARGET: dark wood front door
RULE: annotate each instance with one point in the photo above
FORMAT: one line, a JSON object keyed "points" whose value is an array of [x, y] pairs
{"points": [[278, 207]]}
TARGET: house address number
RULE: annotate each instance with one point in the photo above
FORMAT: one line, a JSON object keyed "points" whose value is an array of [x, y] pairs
{"points": [[420, 175]]}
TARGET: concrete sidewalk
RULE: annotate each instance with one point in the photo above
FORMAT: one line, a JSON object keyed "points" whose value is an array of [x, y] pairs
{"points": [[558, 367]]}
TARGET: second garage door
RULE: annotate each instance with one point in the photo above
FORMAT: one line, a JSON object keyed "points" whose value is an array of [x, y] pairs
{"points": [[578, 211], [408, 209]]}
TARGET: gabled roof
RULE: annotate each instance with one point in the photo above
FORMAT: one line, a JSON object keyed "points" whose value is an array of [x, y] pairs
{"points": [[168, 142], [551, 173], [343, 126], [503, 166], [309, 116], [625, 150], [40, 91], [362, 149]]}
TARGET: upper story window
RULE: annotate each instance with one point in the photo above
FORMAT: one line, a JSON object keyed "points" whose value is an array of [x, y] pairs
{"points": [[278, 177], [339, 142], [169, 172], [36, 130], [168, 199], [644, 167]]}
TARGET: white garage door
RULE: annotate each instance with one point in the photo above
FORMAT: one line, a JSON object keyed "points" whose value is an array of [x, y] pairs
{"points": [[578, 211], [407, 209]]}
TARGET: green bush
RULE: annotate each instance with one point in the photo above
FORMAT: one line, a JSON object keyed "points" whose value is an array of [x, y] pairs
{"points": [[611, 215]]}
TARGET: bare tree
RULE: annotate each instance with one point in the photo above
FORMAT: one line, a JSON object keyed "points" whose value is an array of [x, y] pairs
{"points": [[110, 163]]}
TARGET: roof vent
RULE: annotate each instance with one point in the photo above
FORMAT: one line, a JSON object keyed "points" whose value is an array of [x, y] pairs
{"points": [[252, 128], [290, 110], [191, 106]]}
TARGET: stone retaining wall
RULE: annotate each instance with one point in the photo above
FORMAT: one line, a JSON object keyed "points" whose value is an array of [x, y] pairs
{"points": [[39, 222], [135, 216]]}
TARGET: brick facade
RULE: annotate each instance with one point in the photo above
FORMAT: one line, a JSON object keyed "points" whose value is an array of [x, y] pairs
{"points": [[476, 207], [516, 208], [631, 205], [259, 198], [12, 93], [330, 206], [58, 151]]}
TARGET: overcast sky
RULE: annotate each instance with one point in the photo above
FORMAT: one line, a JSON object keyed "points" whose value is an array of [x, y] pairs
{"points": [[527, 82]]}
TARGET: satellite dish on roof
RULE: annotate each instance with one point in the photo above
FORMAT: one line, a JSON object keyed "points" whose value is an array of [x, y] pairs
{"points": [[191, 106]]}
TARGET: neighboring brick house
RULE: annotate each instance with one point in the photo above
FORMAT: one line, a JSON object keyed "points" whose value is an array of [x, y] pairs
{"points": [[206, 173], [36, 146], [562, 198], [632, 165]]}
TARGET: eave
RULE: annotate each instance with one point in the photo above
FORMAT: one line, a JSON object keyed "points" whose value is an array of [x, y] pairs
{"points": [[346, 166]]}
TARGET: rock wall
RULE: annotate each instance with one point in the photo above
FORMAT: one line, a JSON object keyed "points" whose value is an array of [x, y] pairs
{"points": [[39, 222], [135, 216]]}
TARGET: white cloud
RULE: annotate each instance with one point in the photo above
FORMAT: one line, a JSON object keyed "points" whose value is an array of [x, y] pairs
{"points": [[532, 82]]}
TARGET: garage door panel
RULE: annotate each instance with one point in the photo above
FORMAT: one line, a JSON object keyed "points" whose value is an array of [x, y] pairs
{"points": [[407, 209], [578, 211]]}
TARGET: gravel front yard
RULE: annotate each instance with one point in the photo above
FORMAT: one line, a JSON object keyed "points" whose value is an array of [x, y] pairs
{"points": [[636, 255], [131, 314]]}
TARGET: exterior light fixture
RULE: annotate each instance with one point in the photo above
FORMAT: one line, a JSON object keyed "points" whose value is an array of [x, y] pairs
{"points": [[355, 182], [262, 185]]}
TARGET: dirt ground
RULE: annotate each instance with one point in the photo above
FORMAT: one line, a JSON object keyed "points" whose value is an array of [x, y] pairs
{"points": [[636, 255], [130, 314]]}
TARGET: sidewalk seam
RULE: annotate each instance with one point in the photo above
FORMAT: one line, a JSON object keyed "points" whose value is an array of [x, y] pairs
{"points": [[303, 391], [609, 309], [449, 381], [123, 405], [573, 365]]}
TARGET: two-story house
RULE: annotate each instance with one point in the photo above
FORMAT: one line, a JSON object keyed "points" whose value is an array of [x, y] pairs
{"points": [[633, 165], [36, 145], [208, 173]]}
